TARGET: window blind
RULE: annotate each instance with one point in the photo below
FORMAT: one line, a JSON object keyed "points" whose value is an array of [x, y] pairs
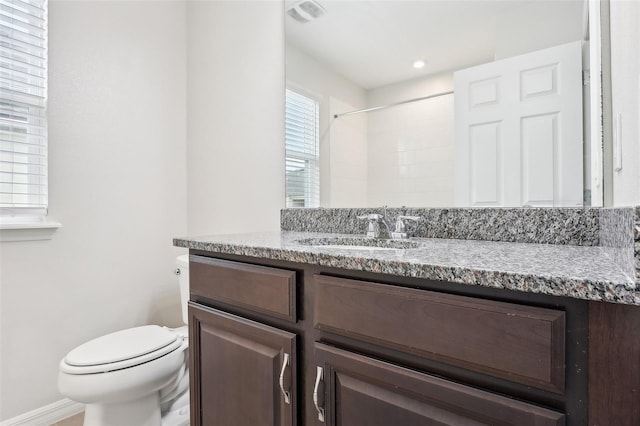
{"points": [[302, 151], [23, 99]]}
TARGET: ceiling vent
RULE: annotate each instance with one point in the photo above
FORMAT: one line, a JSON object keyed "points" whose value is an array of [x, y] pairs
{"points": [[306, 10]]}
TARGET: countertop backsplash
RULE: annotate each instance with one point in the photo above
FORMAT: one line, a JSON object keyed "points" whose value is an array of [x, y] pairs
{"points": [[570, 226], [616, 230], [620, 236]]}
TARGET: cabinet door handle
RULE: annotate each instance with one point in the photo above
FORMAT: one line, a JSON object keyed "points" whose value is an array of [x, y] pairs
{"points": [[319, 376], [287, 395]]}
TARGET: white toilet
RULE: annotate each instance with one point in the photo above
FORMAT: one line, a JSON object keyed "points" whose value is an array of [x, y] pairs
{"points": [[136, 377]]}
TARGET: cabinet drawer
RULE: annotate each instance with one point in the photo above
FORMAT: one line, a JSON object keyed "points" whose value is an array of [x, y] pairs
{"points": [[270, 291], [361, 391], [523, 344]]}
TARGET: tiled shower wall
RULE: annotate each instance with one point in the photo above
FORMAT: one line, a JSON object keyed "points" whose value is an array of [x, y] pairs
{"points": [[410, 154]]}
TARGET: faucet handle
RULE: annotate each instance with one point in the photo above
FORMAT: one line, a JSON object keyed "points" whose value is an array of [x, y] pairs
{"points": [[401, 230], [413, 218], [373, 229], [372, 217]]}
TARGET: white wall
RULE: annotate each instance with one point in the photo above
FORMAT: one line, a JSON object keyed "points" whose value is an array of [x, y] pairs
{"points": [[410, 148], [346, 165], [117, 184], [529, 27], [625, 76], [236, 116]]}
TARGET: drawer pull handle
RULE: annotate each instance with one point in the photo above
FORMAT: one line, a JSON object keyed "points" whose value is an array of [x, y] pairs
{"points": [[319, 376], [287, 395]]}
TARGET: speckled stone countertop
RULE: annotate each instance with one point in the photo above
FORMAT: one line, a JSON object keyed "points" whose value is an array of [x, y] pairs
{"points": [[583, 272], [572, 226]]}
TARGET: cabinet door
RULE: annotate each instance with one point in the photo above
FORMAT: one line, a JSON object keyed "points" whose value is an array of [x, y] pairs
{"points": [[354, 390], [242, 372]]}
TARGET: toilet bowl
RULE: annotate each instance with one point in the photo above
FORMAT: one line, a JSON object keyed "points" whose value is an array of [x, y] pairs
{"points": [[138, 376]]}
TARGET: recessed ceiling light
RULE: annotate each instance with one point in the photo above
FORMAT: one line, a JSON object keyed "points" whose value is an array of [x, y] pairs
{"points": [[419, 64]]}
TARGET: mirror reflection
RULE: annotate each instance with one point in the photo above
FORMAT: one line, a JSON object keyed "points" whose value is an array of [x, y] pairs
{"points": [[440, 104]]}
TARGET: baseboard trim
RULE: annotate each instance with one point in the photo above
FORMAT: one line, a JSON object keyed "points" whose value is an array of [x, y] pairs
{"points": [[47, 415]]}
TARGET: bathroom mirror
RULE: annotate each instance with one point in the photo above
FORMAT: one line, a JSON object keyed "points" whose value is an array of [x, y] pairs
{"points": [[440, 103]]}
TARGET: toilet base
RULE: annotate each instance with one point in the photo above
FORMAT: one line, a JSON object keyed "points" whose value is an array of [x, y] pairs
{"points": [[140, 412]]}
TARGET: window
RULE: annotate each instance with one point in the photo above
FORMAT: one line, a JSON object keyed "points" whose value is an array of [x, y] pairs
{"points": [[301, 151], [23, 99]]}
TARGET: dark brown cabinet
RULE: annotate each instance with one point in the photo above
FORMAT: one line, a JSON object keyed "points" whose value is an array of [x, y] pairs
{"points": [[525, 344], [241, 371], [277, 343], [269, 291], [361, 391]]}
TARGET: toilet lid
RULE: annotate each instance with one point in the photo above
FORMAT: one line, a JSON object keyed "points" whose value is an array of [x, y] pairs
{"points": [[123, 348]]}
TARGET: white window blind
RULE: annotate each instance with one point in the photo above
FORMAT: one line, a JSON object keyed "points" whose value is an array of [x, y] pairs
{"points": [[23, 99], [302, 151]]}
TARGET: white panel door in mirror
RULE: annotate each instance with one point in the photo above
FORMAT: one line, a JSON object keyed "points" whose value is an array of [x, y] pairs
{"points": [[538, 82], [485, 164], [539, 140], [538, 101], [483, 93]]}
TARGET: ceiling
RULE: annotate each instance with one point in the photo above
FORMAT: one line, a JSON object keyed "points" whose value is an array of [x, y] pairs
{"points": [[374, 43]]}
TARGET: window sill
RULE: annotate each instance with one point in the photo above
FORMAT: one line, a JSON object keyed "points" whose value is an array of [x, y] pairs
{"points": [[27, 230]]}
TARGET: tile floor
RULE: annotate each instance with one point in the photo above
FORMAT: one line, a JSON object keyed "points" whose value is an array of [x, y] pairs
{"points": [[71, 421]]}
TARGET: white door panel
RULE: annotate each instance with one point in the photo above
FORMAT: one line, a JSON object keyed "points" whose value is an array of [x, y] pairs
{"points": [[484, 93], [539, 139], [485, 164], [533, 104]]}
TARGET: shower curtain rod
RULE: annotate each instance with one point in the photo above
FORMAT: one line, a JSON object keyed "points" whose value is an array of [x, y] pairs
{"points": [[393, 104]]}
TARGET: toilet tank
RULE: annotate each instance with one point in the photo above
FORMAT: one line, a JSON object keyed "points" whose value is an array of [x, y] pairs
{"points": [[182, 270]]}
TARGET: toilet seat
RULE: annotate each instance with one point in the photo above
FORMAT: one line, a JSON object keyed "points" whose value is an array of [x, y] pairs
{"points": [[122, 349]]}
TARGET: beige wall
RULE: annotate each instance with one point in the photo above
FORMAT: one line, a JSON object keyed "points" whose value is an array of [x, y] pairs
{"points": [[117, 133], [236, 116]]}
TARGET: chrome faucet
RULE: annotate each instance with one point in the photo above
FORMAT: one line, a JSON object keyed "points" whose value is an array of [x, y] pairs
{"points": [[379, 227], [401, 229], [374, 229]]}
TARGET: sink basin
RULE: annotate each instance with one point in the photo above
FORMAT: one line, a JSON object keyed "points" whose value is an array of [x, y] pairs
{"points": [[360, 243]]}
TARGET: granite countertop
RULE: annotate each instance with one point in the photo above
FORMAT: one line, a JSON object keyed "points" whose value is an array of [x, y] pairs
{"points": [[583, 272]]}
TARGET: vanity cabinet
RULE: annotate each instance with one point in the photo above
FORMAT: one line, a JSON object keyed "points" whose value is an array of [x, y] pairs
{"points": [[282, 343], [360, 390], [242, 372]]}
